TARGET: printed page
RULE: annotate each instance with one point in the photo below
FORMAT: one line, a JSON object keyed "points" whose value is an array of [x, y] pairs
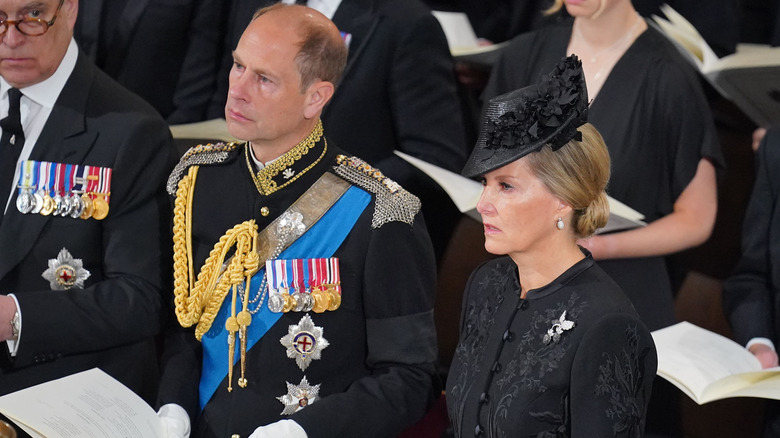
{"points": [[86, 404]]}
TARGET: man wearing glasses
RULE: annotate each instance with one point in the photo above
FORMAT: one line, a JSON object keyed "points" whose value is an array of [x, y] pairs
{"points": [[83, 232]]}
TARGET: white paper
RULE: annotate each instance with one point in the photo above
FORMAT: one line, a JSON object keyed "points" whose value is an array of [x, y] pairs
{"points": [[214, 129], [457, 28], [708, 366], [463, 191], [86, 404]]}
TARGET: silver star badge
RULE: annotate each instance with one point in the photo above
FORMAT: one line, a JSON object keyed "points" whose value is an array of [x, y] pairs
{"points": [[558, 327], [298, 396], [291, 224], [304, 342], [65, 272], [288, 173]]}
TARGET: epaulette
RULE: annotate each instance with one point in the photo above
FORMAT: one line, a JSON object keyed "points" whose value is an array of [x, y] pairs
{"points": [[393, 203], [198, 155]]}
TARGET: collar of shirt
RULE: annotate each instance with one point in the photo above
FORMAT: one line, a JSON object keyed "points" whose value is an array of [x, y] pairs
{"points": [[326, 7], [259, 165]]}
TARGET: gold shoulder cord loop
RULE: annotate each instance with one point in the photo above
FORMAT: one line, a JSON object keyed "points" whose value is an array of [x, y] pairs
{"points": [[199, 301]]}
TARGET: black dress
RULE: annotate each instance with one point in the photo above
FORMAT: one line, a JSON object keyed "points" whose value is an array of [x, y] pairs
{"points": [[657, 126], [515, 375]]}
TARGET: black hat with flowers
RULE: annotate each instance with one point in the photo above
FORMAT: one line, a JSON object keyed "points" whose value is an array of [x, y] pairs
{"points": [[525, 120]]}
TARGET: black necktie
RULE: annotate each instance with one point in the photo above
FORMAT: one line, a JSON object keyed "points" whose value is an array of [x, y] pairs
{"points": [[11, 144], [301, 2]]}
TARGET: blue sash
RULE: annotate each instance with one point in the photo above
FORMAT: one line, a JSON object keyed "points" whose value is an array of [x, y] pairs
{"points": [[320, 241]]}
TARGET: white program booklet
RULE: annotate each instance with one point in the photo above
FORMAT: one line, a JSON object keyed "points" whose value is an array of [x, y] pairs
{"points": [[707, 366], [86, 404]]}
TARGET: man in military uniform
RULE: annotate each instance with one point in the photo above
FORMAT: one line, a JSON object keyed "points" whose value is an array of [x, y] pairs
{"points": [[314, 291]]}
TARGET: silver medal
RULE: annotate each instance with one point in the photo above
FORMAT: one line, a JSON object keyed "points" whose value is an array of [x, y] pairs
{"points": [[24, 202]]}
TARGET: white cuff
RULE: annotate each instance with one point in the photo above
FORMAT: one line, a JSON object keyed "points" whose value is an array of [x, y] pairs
{"points": [[763, 341], [280, 429], [13, 345], [175, 421]]}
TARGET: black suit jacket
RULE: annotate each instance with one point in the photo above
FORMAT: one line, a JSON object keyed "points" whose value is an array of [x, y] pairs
{"points": [[166, 51], [751, 295], [110, 323]]}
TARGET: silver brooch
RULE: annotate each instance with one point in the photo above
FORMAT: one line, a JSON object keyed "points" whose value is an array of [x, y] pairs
{"points": [[65, 272], [304, 342], [558, 327], [298, 396]]}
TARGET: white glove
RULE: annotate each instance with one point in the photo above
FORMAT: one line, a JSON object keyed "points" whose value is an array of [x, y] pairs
{"points": [[175, 421], [280, 429]]}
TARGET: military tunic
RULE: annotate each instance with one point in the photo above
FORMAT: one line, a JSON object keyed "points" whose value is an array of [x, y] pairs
{"points": [[376, 376]]}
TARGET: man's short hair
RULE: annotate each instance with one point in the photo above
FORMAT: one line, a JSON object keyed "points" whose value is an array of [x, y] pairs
{"points": [[322, 53]]}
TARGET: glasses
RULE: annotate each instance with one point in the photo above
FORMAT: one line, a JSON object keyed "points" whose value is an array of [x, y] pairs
{"points": [[30, 26]]}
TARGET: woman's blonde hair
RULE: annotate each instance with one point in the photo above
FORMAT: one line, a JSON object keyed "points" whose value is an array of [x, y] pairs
{"points": [[556, 6], [578, 174]]}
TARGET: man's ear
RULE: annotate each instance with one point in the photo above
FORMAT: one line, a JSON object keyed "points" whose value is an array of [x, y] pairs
{"points": [[71, 8], [318, 94]]}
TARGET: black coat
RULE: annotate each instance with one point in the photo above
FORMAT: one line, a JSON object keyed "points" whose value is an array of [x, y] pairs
{"points": [[166, 51], [112, 322], [751, 295]]}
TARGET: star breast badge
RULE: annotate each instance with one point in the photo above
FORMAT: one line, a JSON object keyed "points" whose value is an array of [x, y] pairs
{"points": [[65, 272], [304, 342], [298, 396]]}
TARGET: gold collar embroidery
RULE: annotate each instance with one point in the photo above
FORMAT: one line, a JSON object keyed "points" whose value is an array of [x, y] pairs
{"points": [[264, 178]]}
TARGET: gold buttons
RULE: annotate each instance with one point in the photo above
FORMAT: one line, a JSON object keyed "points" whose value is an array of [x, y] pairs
{"points": [[265, 211]]}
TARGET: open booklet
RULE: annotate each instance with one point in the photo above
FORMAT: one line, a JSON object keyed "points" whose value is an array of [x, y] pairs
{"points": [[463, 42], [88, 404], [465, 193], [707, 366], [748, 77]]}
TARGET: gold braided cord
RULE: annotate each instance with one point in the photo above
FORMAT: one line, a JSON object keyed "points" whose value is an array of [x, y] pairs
{"points": [[186, 306], [200, 301]]}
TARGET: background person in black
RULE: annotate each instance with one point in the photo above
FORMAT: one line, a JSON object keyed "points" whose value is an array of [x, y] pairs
{"points": [[166, 51], [751, 294]]}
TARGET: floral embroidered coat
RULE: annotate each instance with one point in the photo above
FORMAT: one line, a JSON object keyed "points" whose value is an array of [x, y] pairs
{"points": [[570, 360]]}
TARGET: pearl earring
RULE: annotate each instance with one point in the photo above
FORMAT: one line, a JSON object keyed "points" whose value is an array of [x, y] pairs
{"points": [[559, 224]]}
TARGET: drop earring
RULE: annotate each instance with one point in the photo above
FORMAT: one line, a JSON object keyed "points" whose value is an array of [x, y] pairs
{"points": [[559, 224]]}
